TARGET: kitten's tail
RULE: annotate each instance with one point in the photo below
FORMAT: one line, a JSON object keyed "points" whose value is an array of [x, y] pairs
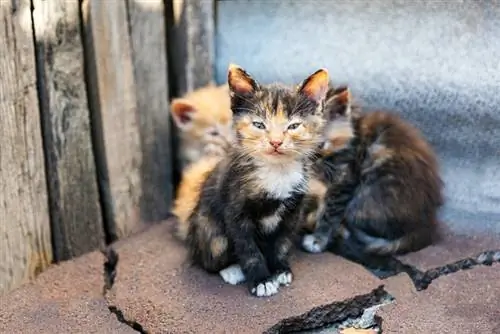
{"points": [[188, 193], [410, 242]]}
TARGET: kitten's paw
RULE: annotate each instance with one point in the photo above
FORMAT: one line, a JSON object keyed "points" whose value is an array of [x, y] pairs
{"points": [[233, 274], [265, 289], [313, 244], [284, 278]]}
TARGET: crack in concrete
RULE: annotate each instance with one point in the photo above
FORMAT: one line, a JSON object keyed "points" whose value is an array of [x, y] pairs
{"points": [[343, 313], [110, 271], [486, 258], [358, 311], [387, 266]]}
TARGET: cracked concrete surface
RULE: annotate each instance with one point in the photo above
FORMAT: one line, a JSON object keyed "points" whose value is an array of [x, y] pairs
{"points": [[150, 289], [158, 290], [464, 302], [66, 298]]}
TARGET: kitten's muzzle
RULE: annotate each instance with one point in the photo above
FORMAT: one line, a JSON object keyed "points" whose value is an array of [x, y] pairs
{"points": [[276, 143]]}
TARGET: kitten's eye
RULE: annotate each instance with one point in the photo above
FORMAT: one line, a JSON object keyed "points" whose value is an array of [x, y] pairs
{"points": [[293, 126], [259, 125], [214, 133]]}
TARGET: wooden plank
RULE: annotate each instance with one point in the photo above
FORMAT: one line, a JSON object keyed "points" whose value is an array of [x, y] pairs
{"points": [[73, 193], [192, 44], [25, 246], [113, 105], [149, 54]]}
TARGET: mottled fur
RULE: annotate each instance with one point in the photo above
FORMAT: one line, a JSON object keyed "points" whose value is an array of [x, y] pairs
{"points": [[389, 189], [335, 136], [248, 211], [203, 118], [313, 205], [188, 192]]}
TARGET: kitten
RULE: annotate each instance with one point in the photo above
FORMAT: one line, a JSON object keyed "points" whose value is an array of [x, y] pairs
{"points": [[389, 190], [320, 177], [248, 211], [203, 118], [188, 191]]}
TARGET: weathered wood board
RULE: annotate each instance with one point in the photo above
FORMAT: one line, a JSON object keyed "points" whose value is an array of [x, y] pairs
{"points": [[191, 44], [112, 90], [113, 104], [191, 51], [73, 191], [149, 53], [25, 240]]}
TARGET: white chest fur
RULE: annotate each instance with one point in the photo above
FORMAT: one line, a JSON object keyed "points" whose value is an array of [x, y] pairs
{"points": [[281, 180]]}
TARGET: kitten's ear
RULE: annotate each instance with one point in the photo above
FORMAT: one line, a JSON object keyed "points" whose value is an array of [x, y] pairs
{"points": [[182, 111], [342, 95], [341, 101], [239, 81], [315, 86]]}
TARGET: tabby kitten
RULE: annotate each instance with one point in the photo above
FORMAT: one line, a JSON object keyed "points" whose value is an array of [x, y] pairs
{"points": [[203, 118], [320, 176], [244, 222], [389, 190]]}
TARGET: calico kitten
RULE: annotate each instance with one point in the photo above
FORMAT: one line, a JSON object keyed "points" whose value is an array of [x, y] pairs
{"points": [[244, 222], [384, 186], [203, 118]]}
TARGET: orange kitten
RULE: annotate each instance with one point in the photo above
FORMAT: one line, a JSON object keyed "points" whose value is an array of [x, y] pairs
{"points": [[188, 192], [203, 118]]}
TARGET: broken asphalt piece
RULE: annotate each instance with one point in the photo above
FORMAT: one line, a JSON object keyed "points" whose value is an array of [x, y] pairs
{"points": [[337, 312]]}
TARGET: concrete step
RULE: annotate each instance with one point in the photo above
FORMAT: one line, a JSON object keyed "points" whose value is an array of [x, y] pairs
{"points": [[156, 291]]}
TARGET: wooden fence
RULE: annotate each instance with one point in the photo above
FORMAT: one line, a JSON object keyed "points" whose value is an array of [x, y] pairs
{"points": [[86, 153]]}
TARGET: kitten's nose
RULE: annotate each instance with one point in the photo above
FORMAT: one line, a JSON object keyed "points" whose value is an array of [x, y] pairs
{"points": [[275, 143]]}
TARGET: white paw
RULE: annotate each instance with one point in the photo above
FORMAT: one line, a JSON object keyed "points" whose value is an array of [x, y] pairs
{"points": [[285, 278], [311, 244], [265, 289], [233, 274]]}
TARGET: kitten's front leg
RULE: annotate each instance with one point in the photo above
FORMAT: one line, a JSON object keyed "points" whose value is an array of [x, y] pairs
{"points": [[277, 260], [277, 253], [251, 260]]}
